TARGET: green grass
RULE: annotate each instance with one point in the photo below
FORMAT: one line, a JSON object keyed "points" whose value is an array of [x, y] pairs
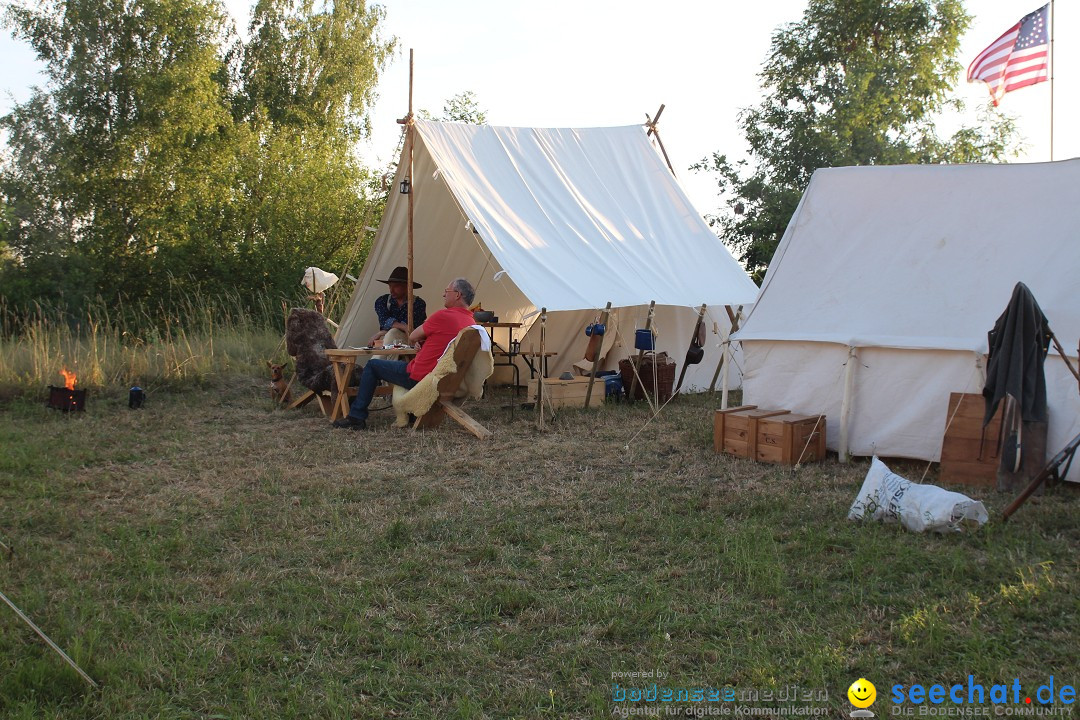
{"points": [[185, 341], [210, 556]]}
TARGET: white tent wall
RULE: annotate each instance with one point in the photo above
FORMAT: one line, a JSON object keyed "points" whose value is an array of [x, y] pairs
{"points": [[911, 266], [445, 247], [580, 217], [674, 326]]}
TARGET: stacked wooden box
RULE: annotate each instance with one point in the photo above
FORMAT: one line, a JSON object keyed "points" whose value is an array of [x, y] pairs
{"points": [[775, 436], [568, 393], [969, 455]]}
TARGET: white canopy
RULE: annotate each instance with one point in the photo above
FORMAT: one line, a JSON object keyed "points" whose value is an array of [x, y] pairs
{"points": [[923, 256], [578, 217], [908, 268], [567, 219]]}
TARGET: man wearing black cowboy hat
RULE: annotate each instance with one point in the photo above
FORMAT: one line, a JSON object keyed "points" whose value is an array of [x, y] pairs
{"points": [[393, 308]]}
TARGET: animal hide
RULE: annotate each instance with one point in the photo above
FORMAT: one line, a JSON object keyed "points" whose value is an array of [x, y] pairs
{"points": [[307, 339], [425, 393]]}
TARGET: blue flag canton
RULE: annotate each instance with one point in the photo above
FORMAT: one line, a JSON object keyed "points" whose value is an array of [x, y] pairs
{"points": [[1033, 30]]}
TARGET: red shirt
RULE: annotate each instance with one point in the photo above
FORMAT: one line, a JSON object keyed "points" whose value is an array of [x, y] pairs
{"points": [[441, 328]]}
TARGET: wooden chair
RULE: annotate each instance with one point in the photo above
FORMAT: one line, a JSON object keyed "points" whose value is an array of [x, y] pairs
{"points": [[448, 387]]}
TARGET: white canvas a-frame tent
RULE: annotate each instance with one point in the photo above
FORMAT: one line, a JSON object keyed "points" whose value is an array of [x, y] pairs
{"points": [[567, 219], [885, 284]]}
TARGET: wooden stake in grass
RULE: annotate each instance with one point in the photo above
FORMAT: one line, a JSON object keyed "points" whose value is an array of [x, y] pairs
{"points": [[45, 637], [596, 357], [540, 381], [693, 340], [637, 361]]}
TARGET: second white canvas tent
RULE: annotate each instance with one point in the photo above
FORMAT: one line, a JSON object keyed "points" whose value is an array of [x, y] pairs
{"points": [[886, 283], [566, 219]]}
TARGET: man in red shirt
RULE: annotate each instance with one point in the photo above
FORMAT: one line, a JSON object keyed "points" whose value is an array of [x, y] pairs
{"points": [[434, 335]]}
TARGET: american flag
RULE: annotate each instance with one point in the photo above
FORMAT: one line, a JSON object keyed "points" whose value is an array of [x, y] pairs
{"points": [[1016, 59]]}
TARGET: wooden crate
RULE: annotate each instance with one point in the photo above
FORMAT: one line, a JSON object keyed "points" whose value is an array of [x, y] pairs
{"points": [[790, 439], [568, 393], [735, 429], [964, 458]]}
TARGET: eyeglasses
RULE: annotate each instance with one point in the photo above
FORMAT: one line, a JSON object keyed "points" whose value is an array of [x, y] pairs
{"points": [[450, 290]]}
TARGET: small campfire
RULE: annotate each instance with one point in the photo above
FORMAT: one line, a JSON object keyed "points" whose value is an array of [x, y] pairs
{"points": [[67, 398]]}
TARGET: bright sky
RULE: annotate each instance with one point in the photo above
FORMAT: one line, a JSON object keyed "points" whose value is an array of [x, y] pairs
{"points": [[589, 63]]}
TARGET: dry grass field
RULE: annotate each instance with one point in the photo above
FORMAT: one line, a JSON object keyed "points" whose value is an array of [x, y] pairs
{"points": [[210, 556]]}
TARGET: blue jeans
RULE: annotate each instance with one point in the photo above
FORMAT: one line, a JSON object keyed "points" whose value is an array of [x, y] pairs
{"points": [[392, 371]]}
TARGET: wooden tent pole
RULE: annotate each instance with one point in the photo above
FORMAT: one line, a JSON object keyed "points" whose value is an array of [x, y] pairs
{"points": [[640, 355], [596, 357], [540, 380], [1061, 351], [651, 124], [725, 362], [734, 318], [410, 138], [845, 406], [693, 339]]}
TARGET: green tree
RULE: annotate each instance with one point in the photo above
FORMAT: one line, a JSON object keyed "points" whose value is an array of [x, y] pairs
{"points": [[854, 82], [307, 66], [461, 108], [119, 158], [164, 146], [307, 79]]}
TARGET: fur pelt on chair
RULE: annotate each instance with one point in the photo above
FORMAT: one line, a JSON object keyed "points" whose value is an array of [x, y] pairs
{"points": [[307, 339], [425, 393]]}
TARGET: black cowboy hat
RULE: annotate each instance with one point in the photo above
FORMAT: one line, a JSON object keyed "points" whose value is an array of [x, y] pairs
{"points": [[401, 275]]}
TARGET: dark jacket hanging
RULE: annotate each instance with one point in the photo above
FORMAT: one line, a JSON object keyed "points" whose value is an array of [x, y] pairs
{"points": [[1018, 346]]}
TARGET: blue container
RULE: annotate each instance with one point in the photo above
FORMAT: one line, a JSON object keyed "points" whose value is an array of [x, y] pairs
{"points": [[136, 397], [643, 340], [613, 386]]}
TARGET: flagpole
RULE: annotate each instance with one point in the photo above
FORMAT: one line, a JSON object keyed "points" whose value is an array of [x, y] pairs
{"points": [[1053, 17]]}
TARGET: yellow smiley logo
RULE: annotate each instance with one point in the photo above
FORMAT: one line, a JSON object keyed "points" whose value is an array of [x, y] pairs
{"points": [[862, 693]]}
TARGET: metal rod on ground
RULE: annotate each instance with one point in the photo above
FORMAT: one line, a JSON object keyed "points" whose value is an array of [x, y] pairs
{"points": [[845, 406], [45, 637], [693, 339], [596, 357], [540, 380], [641, 354], [734, 318]]}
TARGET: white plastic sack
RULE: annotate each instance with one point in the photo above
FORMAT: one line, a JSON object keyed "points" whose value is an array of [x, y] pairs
{"points": [[888, 497], [317, 280]]}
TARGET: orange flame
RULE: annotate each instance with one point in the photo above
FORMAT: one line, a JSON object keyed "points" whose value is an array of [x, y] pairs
{"points": [[69, 379]]}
